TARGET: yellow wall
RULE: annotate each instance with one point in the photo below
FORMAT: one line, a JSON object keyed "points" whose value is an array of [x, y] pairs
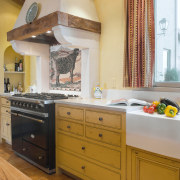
{"points": [[112, 43], [8, 14]]}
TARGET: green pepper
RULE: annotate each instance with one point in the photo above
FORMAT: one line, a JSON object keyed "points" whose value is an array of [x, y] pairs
{"points": [[161, 108]]}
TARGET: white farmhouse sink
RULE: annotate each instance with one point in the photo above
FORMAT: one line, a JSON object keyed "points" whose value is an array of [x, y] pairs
{"points": [[153, 132]]}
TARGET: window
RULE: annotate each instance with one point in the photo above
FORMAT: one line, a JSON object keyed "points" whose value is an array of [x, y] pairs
{"points": [[167, 51]]}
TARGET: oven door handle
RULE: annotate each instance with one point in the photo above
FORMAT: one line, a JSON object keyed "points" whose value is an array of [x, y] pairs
{"points": [[15, 114], [33, 119]]}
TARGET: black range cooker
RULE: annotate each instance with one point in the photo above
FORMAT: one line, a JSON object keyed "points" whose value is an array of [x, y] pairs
{"points": [[33, 128]]}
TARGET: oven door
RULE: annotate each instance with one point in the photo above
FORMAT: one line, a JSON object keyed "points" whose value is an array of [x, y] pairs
{"points": [[30, 128]]}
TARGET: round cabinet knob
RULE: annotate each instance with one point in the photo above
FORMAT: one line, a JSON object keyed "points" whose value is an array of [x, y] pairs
{"points": [[68, 113], [100, 119], [100, 135], [83, 167], [24, 149], [68, 126], [83, 148], [7, 124]]}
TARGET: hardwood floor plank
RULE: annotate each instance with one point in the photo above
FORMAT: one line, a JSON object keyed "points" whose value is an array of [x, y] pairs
{"points": [[25, 167]]}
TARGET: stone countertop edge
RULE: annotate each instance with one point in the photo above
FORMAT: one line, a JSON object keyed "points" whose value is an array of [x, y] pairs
{"points": [[97, 103], [5, 95]]}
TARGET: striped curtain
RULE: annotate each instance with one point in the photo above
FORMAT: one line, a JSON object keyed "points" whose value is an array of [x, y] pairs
{"points": [[141, 44]]}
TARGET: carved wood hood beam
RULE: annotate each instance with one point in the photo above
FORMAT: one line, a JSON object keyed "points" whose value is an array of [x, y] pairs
{"points": [[20, 2], [42, 25]]}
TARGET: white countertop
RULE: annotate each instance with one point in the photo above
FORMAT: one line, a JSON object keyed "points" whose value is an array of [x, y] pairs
{"points": [[153, 132], [97, 103], [5, 94]]}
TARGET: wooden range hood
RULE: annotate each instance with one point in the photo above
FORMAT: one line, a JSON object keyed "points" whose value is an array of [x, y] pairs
{"points": [[40, 27]]}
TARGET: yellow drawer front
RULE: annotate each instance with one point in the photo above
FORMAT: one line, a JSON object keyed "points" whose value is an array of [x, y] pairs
{"points": [[84, 167], [102, 135], [5, 102], [68, 112], [96, 152], [5, 111], [71, 127], [105, 119]]}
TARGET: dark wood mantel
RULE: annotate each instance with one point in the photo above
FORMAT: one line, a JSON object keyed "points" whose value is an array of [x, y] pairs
{"points": [[20, 2], [40, 26]]}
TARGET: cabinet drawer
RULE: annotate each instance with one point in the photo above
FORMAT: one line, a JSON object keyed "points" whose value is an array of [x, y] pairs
{"points": [[105, 119], [5, 111], [71, 127], [90, 150], [68, 112], [84, 167], [102, 135], [5, 102]]}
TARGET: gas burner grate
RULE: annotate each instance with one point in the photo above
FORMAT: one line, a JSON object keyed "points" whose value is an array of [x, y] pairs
{"points": [[43, 96]]}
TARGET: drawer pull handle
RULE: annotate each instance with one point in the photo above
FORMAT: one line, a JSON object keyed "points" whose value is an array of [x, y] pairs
{"points": [[100, 135], [7, 124], [83, 148], [40, 157], [100, 119], [68, 127], [69, 113], [32, 136], [7, 101], [83, 167], [24, 149], [7, 111]]}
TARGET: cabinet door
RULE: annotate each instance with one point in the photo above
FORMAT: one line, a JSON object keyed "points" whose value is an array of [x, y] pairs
{"points": [[8, 124], [4, 127], [149, 167]]}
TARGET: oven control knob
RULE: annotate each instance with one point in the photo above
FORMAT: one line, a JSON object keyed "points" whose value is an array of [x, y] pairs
{"points": [[24, 105], [37, 107], [27, 105], [20, 104], [31, 106], [13, 103]]}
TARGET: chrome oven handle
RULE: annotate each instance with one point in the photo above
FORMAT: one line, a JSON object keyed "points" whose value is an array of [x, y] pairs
{"points": [[33, 119]]}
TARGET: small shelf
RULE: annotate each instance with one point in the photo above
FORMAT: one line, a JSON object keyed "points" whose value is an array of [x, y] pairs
{"points": [[13, 72]]}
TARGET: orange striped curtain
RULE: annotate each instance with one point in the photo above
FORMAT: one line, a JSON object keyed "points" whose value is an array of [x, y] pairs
{"points": [[141, 44]]}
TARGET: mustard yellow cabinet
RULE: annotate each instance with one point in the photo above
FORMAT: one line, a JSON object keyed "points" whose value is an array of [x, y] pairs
{"points": [[91, 143], [5, 120], [143, 165]]}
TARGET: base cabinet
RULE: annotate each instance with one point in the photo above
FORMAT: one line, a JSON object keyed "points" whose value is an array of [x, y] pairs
{"points": [[91, 143], [5, 120], [148, 166]]}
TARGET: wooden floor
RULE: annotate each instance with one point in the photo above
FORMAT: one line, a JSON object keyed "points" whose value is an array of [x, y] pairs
{"points": [[25, 167]]}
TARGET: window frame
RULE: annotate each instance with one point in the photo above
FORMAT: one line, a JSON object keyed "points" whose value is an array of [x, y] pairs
{"points": [[173, 85]]}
